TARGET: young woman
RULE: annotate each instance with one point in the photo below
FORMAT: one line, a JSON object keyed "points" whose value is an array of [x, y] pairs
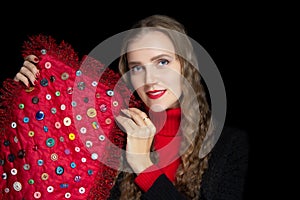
{"points": [[165, 135]]}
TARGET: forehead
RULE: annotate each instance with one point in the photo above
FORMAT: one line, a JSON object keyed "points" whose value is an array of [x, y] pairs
{"points": [[152, 40]]}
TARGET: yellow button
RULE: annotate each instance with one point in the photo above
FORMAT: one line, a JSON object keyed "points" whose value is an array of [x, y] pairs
{"points": [[72, 136], [91, 112], [45, 176]]}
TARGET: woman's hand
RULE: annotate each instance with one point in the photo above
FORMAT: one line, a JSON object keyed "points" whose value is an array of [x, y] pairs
{"points": [[140, 133], [28, 71]]}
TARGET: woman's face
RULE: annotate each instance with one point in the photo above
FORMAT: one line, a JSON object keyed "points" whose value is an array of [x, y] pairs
{"points": [[155, 71]]}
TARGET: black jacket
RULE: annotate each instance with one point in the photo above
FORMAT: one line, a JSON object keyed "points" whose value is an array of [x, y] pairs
{"points": [[224, 179]]}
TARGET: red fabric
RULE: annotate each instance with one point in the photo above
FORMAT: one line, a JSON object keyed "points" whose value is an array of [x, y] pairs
{"points": [[36, 142], [167, 144]]}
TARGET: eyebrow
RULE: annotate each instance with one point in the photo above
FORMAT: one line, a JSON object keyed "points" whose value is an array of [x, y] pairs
{"points": [[152, 59]]}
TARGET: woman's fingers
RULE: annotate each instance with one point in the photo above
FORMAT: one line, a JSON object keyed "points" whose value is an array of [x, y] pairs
{"points": [[31, 67], [29, 71]]}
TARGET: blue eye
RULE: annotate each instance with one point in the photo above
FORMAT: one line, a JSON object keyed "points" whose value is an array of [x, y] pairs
{"points": [[136, 68], [163, 62]]}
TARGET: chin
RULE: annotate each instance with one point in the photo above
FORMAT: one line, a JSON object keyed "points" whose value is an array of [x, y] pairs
{"points": [[158, 107]]}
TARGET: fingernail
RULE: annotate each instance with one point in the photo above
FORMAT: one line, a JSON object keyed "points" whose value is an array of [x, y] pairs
{"points": [[35, 82], [37, 75], [36, 60]]}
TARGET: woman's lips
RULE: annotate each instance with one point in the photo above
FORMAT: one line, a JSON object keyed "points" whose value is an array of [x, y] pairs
{"points": [[155, 94]]}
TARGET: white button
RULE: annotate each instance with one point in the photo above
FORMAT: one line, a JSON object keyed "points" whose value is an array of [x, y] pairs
{"points": [[17, 186], [14, 171], [67, 195], [50, 189], [81, 190], [94, 156]]}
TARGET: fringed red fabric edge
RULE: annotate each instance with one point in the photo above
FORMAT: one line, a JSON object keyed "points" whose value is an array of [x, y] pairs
{"points": [[63, 51]]}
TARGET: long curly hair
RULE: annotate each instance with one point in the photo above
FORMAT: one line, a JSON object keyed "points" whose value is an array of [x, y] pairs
{"points": [[194, 104]]}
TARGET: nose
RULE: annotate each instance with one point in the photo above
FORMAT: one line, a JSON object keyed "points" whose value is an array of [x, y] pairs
{"points": [[150, 76]]}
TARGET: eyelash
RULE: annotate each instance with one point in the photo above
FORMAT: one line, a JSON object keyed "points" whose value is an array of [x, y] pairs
{"points": [[138, 67]]}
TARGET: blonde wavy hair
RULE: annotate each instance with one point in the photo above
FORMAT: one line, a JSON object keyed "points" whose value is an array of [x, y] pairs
{"points": [[196, 111]]}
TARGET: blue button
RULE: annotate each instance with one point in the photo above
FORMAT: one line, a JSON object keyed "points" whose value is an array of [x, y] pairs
{"points": [[59, 170], [40, 115]]}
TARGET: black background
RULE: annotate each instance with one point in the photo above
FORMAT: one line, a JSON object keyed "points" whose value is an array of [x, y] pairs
{"points": [[226, 34]]}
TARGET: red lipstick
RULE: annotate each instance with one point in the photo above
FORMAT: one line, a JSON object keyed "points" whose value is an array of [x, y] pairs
{"points": [[155, 94]]}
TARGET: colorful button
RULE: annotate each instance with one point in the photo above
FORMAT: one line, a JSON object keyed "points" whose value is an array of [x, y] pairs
{"points": [[11, 157], [95, 125], [37, 195], [21, 153], [103, 107], [83, 160], [73, 104], [54, 157], [44, 82], [31, 133], [44, 176], [78, 73], [4, 176], [52, 79], [77, 149], [64, 185], [21, 106], [91, 112], [97, 95], [31, 181], [59, 170], [73, 165], [45, 128], [25, 120], [57, 93], [14, 125], [57, 125], [83, 130], [61, 138], [70, 90], [90, 172], [94, 156], [50, 142], [26, 166], [40, 115], [50, 189], [63, 107], [71, 136], [40, 162], [67, 151], [88, 144], [101, 137], [17, 186], [108, 121], [48, 96], [35, 100], [53, 110], [115, 103], [85, 99], [64, 76], [43, 51], [30, 89], [6, 143], [81, 190], [77, 178], [110, 93], [81, 85], [67, 121], [67, 195], [47, 65], [78, 117], [14, 171], [94, 83]]}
